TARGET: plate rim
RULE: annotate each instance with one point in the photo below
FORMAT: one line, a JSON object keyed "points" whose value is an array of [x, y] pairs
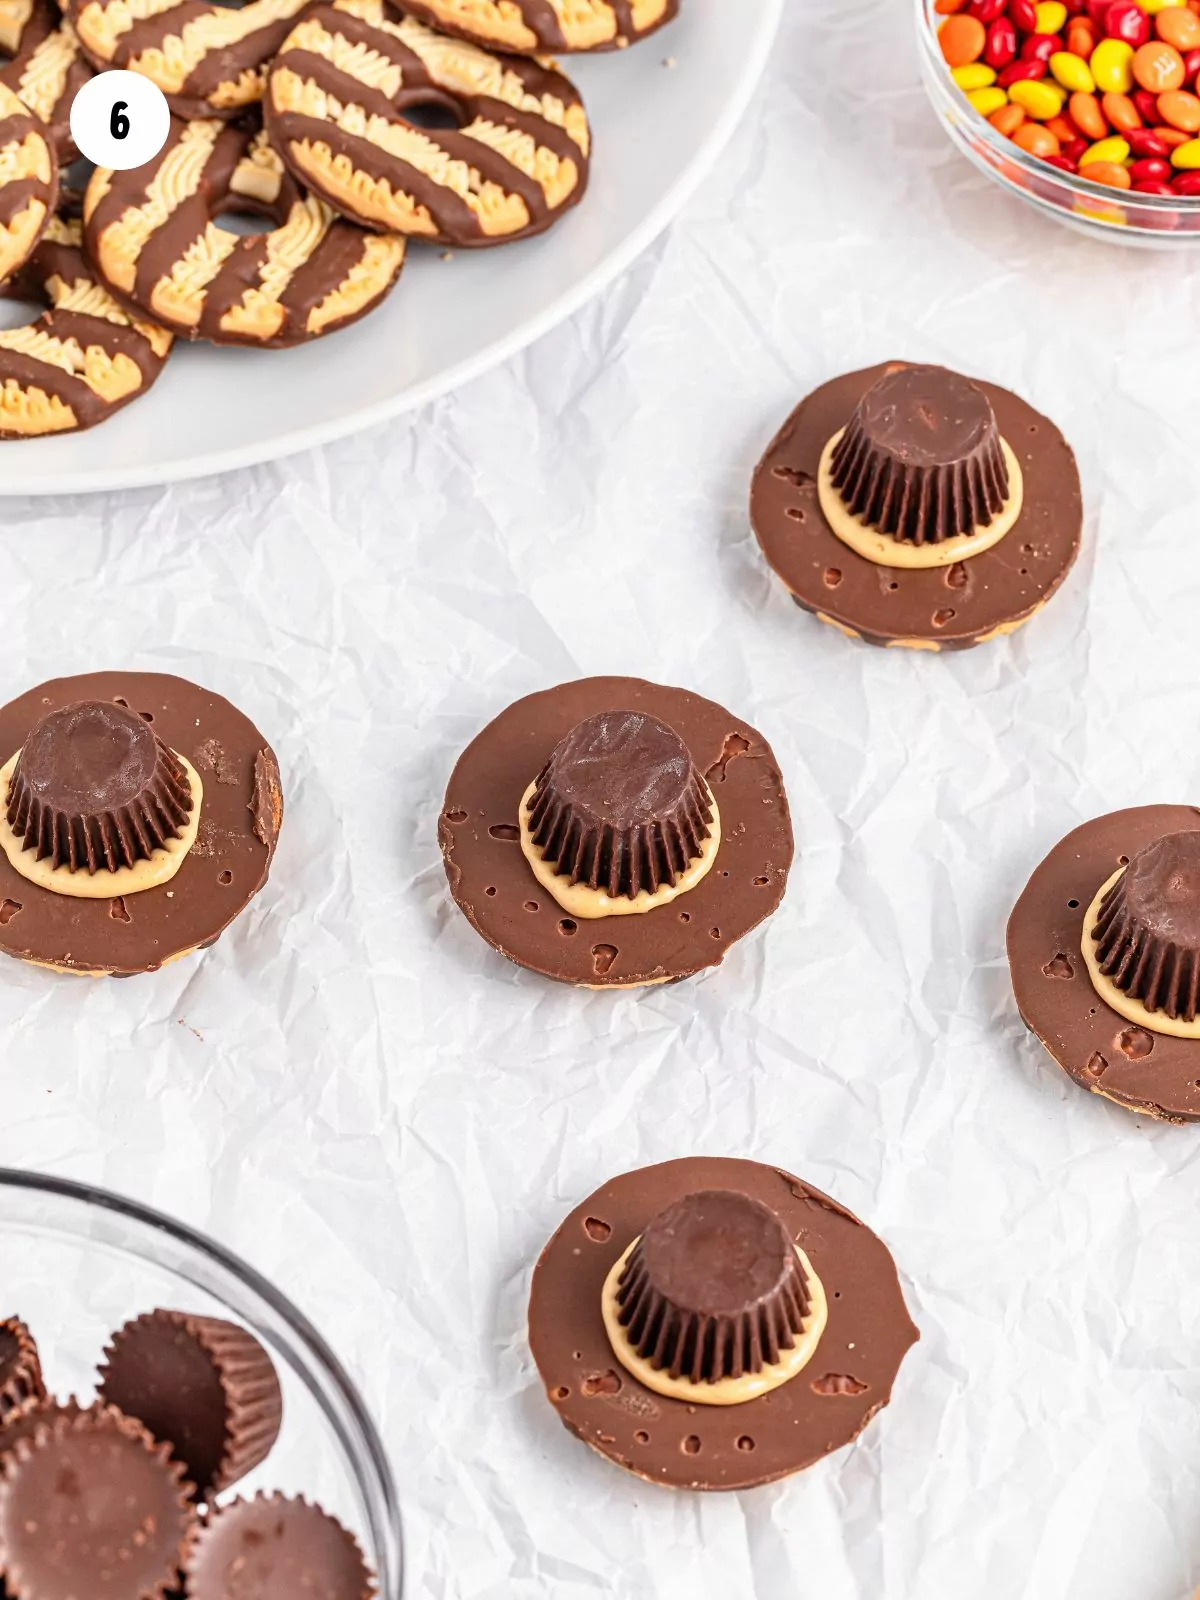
{"points": [[48, 481]]}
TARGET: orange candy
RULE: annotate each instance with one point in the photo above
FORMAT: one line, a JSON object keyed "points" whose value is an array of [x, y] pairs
{"points": [[947, 8], [1081, 38], [1180, 109], [1157, 66], [1007, 120], [1087, 116], [1180, 27], [962, 39], [1063, 129], [1120, 112], [1108, 172], [1173, 137], [1037, 140]]}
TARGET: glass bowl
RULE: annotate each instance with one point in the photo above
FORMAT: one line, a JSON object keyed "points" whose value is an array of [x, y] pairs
{"points": [[77, 1262], [1156, 222]]}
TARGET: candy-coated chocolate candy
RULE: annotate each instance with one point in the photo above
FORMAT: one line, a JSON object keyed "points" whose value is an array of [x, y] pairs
{"points": [[1074, 75], [1121, 113], [975, 76], [962, 39], [1158, 66], [1186, 183], [1040, 47], [1021, 72], [1036, 140], [1097, 10], [1001, 46], [1179, 109], [1191, 63], [986, 10], [1187, 156], [1145, 142], [1107, 173], [1179, 27], [1153, 186], [1087, 116], [1112, 65], [1051, 16], [986, 101], [1172, 137], [1152, 169], [1115, 151], [1062, 162], [1041, 100], [1154, 7], [1073, 148], [1126, 20], [1081, 39], [1007, 120], [1024, 15], [947, 8]]}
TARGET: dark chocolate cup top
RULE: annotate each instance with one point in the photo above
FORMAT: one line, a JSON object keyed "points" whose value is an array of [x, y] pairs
{"points": [[95, 789], [92, 1507], [204, 1387], [1148, 930], [921, 458], [270, 1548], [619, 806], [713, 1288], [21, 1383]]}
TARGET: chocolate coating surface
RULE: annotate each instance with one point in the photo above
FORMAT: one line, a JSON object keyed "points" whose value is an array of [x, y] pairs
{"points": [[275, 1549], [1097, 1047], [21, 1382], [1148, 929], [921, 457], [239, 826], [683, 1446], [495, 888], [951, 607], [619, 805], [713, 1288]]}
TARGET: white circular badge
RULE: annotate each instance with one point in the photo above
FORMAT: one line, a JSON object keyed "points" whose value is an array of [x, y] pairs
{"points": [[120, 119]]}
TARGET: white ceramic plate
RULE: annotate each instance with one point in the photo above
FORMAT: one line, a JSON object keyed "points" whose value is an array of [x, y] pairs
{"points": [[658, 131]]}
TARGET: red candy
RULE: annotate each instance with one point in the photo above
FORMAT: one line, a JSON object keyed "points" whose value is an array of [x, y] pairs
{"points": [[1040, 47], [986, 11], [1021, 72], [1146, 103], [1187, 183], [1024, 15], [1124, 19], [1153, 169], [1001, 46], [1145, 142], [1153, 187], [1098, 11]]}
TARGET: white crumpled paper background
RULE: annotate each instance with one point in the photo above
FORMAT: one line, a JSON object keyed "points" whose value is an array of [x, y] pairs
{"points": [[356, 1093]]}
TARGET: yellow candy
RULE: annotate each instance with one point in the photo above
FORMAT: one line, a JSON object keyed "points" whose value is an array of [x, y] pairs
{"points": [[1114, 150], [1112, 66], [1072, 72], [976, 76], [1187, 156], [986, 101], [1040, 99], [1051, 16], [1153, 7]]}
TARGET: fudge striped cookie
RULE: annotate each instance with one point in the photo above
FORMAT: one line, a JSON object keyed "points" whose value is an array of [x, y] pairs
{"points": [[209, 60], [28, 182], [47, 67], [84, 358], [155, 240], [529, 27], [343, 105]]}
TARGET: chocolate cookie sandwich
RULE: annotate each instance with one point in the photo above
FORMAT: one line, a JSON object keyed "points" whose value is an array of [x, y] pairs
{"points": [[912, 507], [85, 357], [140, 817], [613, 833], [1104, 948], [28, 182], [153, 235], [272, 1548], [716, 1324], [358, 101], [45, 68], [533, 27]]}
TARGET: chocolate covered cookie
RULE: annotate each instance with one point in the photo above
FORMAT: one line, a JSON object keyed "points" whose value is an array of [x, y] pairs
{"points": [[140, 818], [613, 833], [85, 357], [1104, 949], [531, 27], [28, 184], [153, 236], [348, 102], [45, 68], [912, 507], [716, 1324]]}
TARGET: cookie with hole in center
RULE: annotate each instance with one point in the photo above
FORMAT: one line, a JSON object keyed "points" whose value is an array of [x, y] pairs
{"points": [[28, 182], [712, 1323], [407, 130], [1104, 950], [914, 508], [139, 817], [533, 27], [613, 833], [154, 236], [46, 67]]}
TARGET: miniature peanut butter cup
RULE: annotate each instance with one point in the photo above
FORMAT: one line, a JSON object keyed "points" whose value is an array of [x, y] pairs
{"points": [[21, 1382], [713, 1289], [204, 1387], [95, 789], [725, 1267], [612, 833], [270, 1548], [141, 815], [92, 1507], [1104, 950], [910, 506], [619, 806], [921, 458], [35, 1417]]}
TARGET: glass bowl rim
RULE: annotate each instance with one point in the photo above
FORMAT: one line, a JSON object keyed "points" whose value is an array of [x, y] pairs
{"points": [[1072, 182], [312, 1343]]}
